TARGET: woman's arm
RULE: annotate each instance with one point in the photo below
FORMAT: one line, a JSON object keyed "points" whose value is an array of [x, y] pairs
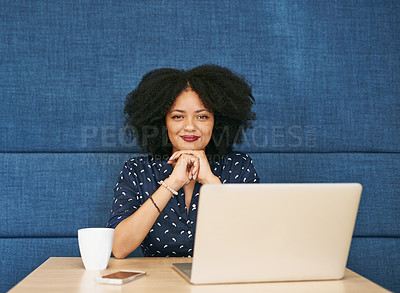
{"points": [[130, 232]]}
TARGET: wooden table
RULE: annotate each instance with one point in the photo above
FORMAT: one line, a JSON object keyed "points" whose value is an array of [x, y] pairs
{"points": [[67, 274]]}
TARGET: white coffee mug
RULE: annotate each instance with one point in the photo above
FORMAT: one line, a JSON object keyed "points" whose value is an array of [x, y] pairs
{"points": [[95, 245]]}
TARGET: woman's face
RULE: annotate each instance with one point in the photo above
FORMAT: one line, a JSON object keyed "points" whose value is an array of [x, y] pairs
{"points": [[189, 123]]}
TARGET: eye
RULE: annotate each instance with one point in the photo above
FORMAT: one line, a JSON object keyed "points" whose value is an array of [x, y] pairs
{"points": [[202, 117], [177, 117]]}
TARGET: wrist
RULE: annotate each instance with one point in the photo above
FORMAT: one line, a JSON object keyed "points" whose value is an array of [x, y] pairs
{"points": [[211, 180], [174, 184]]}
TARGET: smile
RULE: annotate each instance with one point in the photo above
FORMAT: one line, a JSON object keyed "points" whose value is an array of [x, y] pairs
{"points": [[190, 138]]}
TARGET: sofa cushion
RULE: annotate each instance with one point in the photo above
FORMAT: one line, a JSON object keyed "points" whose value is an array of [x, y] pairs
{"points": [[53, 195]]}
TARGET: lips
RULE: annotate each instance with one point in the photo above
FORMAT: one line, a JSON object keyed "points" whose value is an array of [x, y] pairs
{"points": [[190, 138]]}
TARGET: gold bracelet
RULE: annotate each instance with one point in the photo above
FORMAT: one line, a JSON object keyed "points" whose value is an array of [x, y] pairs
{"points": [[167, 187]]}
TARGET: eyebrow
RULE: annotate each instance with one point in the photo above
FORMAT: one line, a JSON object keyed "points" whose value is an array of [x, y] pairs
{"points": [[182, 111]]}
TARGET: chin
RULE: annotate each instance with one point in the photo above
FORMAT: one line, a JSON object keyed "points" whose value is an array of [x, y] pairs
{"points": [[189, 148]]}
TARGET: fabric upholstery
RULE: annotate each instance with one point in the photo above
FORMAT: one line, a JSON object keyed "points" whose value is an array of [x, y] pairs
{"points": [[20, 256], [65, 192], [325, 77], [331, 66]]}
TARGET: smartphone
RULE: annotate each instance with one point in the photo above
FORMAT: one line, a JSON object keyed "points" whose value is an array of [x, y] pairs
{"points": [[120, 277]]}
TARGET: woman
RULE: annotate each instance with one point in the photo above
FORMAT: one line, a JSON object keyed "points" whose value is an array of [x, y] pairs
{"points": [[188, 121]]}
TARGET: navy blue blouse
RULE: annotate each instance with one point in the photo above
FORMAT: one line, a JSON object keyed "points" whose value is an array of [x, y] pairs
{"points": [[173, 232]]}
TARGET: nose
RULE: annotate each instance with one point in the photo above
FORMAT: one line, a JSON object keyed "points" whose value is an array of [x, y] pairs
{"points": [[190, 126]]}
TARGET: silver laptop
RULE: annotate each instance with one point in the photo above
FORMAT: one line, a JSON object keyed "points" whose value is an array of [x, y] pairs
{"points": [[272, 232]]}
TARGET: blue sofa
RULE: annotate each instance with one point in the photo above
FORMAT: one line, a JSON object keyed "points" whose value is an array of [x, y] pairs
{"points": [[325, 77]]}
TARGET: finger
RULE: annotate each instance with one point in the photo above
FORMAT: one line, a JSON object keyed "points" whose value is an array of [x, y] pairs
{"points": [[186, 161], [189, 169], [182, 168], [196, 167], [193, 167], [175, 156], [171, 159], [187, 152]]}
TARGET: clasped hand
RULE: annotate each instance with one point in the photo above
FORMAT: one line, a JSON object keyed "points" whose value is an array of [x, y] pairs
{"points": [[191, 165]]}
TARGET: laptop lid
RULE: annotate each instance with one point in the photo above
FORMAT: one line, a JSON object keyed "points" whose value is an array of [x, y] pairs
{"points": [[273, 232]]}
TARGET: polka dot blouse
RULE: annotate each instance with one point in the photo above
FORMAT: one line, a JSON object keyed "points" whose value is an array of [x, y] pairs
{"points": [[173, 232]]}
